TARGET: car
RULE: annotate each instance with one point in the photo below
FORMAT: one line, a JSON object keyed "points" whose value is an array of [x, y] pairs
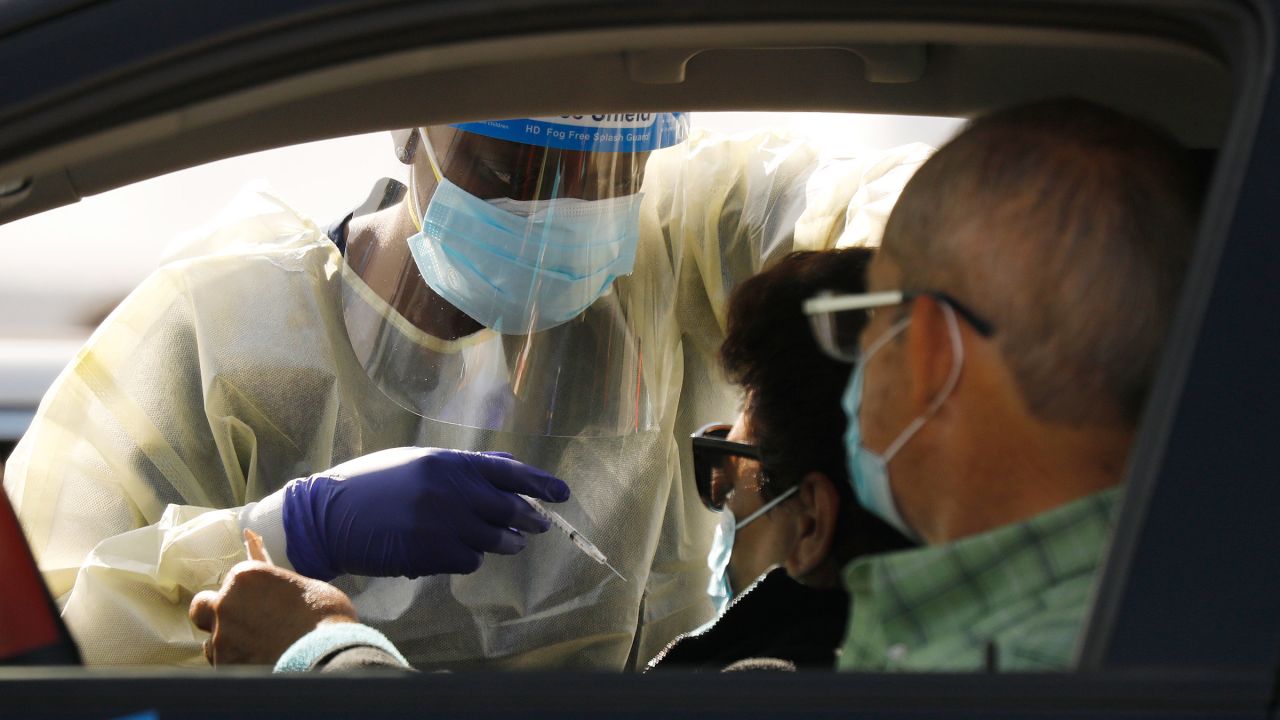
{"points": [[1185, 620]]}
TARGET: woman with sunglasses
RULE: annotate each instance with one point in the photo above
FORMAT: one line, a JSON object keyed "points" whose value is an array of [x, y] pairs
{"points": [[777, 478]]}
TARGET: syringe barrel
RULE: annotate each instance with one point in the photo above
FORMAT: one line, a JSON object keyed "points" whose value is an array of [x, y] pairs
{"points": [[585, 546], [552, 516], [575, 537]]}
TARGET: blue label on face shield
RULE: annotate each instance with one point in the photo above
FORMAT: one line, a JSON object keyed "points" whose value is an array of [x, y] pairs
{"points": [[614, 132]]}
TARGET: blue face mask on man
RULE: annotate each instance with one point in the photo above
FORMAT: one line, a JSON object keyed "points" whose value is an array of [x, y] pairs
{"points": [[522, 266], [868, 470]]}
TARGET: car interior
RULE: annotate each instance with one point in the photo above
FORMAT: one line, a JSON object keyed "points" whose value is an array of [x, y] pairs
{"points": [[1190, 67]]}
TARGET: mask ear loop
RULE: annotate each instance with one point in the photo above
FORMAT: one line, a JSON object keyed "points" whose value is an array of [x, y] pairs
{"points": [[414, 212], [766, 507], [957, 348]]}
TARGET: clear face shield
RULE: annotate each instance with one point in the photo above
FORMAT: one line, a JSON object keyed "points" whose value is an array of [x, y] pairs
{"points": [[514, 307]]}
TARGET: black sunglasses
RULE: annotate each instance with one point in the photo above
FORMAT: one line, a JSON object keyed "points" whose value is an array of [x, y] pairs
{"points": [[710, 450]]}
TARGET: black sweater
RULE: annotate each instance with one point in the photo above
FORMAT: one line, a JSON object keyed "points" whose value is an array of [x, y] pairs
{"points": [[776, 623]]}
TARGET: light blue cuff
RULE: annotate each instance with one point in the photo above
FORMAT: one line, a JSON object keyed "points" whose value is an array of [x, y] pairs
{"points": [[330, 638], [265, 517]]}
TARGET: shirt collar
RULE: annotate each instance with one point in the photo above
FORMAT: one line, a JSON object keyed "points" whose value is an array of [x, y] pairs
{"points": [[935, 590]]}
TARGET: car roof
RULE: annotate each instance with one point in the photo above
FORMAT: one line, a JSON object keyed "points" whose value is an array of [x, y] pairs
{"points": [[226, 80]]}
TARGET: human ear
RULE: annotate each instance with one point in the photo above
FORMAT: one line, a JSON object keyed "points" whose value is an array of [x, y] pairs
{"points": [[818, 508], [929, 354]]}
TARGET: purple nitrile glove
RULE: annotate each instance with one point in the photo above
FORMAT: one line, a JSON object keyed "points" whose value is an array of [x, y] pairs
{"points": [[413, 511]]}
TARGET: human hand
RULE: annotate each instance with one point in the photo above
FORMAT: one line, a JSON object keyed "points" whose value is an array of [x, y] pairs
{"points": [[412, 512], [261, 610]]}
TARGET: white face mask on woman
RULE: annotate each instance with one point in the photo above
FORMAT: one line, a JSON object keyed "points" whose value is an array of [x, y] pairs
{"points": [[719, 588]]}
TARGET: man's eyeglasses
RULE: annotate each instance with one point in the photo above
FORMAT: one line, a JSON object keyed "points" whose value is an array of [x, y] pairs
{"points": [[836, 322], [711, 451]]}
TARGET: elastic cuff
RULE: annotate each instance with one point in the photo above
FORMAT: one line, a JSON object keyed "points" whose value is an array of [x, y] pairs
{"points": [[329, 638], [265, 517], [305, 499]]}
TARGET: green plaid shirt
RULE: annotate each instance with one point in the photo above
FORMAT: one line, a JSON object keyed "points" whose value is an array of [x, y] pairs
{"points": [[1024, 588]]}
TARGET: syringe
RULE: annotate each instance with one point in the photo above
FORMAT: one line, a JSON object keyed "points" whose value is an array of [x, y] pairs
{"points": [[575, 537]]}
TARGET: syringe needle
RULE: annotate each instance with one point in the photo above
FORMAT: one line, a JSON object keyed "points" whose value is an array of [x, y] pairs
{"points": [[615, 571]]}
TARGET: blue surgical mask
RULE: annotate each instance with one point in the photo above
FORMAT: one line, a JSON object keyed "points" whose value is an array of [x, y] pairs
{"points": [[868, 470], [524, 266], [719, 588]]}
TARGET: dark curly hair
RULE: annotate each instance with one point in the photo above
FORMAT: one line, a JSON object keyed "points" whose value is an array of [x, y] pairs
{"points": [[793, 389]]}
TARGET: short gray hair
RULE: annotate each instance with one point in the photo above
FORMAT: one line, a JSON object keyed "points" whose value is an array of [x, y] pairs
{"points": [[1069, 227]]}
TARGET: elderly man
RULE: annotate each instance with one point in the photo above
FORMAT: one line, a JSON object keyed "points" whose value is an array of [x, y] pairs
{"points": [[1025, 285]]}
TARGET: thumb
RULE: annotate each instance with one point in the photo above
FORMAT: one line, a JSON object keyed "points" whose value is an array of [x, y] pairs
{"points": [[202, 611], [514, 476]]}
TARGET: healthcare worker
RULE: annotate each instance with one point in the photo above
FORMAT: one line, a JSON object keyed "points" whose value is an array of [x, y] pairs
{"points": [[550, 288]]}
